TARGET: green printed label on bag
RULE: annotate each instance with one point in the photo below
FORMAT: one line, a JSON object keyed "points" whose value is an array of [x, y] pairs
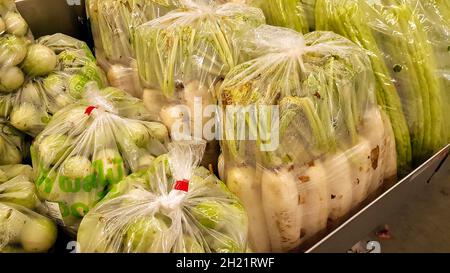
{"points": [[90, 71], [77, 84], [69, 185]]}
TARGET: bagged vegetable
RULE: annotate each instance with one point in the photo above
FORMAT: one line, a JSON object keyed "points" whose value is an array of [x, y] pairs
{"points": [[17, 186], [284, 13], [21, 228], [14, 145], [30, 108], [11, 22], [113, 23], [316, 143], [183, 56], [15, 37], [404, 65], [173, 206], [89, 146], [434, 17]]}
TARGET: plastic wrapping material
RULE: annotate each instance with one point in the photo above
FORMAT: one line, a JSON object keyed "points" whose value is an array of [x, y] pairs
{"points": [[404, 64], [14, 145], [284, 13], [15, 37], [183, 56], [113, 23], [17, 186], [22, 229], [320, 145], [10, 171], [173, 206], [434, 16], [30, 108], [12, 22], [89, 146]]}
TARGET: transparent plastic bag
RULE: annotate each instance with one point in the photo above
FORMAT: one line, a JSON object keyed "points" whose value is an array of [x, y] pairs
{"points": [[14, 145], [11, 22], [113, 23], [405, 66], [183, 56], [15, 37], [284, 13], [173, 206], [316, 145], [10, 171], [17, 186], [30, 108], [23, 230], [434, 16], [91, 145]]}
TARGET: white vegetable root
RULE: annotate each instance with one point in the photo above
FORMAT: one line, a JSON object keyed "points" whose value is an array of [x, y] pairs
{"points": [[243, 182], [313, 192], [390, 155], [281, 207], [339, 172], [373, 131], [362, 172]]}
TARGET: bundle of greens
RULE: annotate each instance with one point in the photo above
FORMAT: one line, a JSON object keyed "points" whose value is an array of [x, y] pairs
{"points": [[173, 206], [113, 23], [434, 16], [316, 144], [284, 13], [404, 64], [90, 145], [183, 56], [21, 228]]}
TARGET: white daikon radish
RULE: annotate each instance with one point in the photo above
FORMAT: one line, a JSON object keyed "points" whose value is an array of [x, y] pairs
{"points": [[246, 185], [340, 186], [313, 191], [281, 207]]}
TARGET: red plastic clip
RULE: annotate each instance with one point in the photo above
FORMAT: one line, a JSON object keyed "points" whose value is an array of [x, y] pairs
{"points": [[89, 110], [182, 185]]}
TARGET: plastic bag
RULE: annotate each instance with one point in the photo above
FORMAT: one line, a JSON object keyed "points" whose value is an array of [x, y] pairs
{"points": [[17, 186], [15, 37], [405, 67], [284, 13], [14, 145], [316, 144], [30, 108], [22, 229], [183, 56], [113, 23], [173, 206], [11, 22], [89, 146], [434, 16]]}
